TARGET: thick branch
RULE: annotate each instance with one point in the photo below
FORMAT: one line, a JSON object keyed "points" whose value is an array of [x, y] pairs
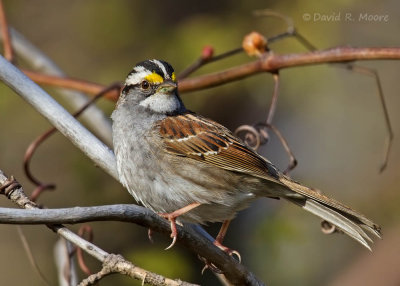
{"points": [[93, 116], [139, 215], [59, 117], [111, 262], [272, 62], [118, 212]]}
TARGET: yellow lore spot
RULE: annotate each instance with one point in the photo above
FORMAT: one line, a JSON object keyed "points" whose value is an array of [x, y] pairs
{"points": [[173, 77], [154, 78]]}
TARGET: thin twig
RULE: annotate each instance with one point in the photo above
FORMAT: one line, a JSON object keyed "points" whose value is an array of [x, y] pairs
{"points": [[292, 159], [71, 83], [303, 40], [234, 271], [272, 13], [291, 31], [85, 229], [390, 135], [30, 255], [268, 124], [16, 194], [274, 99], [41, 187], [188, 237], [207, 56], [5, 33], [117, 264]]}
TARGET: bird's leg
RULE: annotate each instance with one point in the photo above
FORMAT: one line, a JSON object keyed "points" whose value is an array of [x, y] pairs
{"points": [[220, 238], [222, 232], [172, 219], [218, 242]]}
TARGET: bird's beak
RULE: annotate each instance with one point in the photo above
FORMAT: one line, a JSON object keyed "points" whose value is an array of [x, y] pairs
{"points": [[167, 87]]}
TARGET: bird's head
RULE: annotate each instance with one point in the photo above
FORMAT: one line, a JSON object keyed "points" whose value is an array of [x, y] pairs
{"points": [[152, 84]]}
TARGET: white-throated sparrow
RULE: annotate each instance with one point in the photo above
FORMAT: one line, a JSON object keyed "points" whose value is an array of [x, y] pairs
{"points": [[190, 168]]}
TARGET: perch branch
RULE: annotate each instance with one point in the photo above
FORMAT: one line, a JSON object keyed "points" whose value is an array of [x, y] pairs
{"points": [[235, 272], [134, 214], [15, 193]]}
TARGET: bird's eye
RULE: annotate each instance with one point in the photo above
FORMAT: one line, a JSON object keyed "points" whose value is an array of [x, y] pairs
{"points": [[145, 84]]}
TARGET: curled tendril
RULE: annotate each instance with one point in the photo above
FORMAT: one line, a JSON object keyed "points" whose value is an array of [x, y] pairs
{"points": [[327, 227], [257, 135], [271, 13], [249, 135], [84, 230], [40, 189], [9, 186], [41, 186], [262, 129], [253, 136]]}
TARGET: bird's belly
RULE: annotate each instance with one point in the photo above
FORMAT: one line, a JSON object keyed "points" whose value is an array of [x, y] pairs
{"points": [[167, 187], [177, 187]]}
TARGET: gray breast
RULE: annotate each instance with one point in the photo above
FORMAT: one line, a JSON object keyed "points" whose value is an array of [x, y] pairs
{"points": [[165, 182]]}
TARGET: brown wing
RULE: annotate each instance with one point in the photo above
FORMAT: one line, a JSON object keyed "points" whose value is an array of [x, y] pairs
{"points": [[199, 138]]}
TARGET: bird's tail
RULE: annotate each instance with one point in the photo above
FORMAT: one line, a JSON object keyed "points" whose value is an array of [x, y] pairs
{"points": [[343, 217]]}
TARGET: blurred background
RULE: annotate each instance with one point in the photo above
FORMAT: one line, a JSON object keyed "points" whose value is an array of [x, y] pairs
{"points": [[330, 116]]}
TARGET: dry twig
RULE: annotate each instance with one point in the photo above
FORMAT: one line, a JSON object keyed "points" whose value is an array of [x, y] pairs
{"points": [[188, 236], [13, 190]]}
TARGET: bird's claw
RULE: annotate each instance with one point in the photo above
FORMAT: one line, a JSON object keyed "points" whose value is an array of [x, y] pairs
{"points": [[230, 252], [210, 266], [150, 235], [172, 243], [174, 232], [234, 253], [172, 219]]}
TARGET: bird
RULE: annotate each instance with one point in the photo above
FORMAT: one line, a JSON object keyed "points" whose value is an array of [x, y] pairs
{"points": [[188, 168]]}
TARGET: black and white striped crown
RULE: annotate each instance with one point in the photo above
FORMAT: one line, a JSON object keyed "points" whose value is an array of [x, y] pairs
{"points": [[154, 71]]}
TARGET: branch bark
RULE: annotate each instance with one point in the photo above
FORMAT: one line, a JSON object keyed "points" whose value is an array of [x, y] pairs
{"points": [[271, 62], [66, 270], [94, 117], [111, 262], [187, 236], [59, 117]]}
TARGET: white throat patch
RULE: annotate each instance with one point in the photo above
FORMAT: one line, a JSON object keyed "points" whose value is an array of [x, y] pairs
{"points": [[162, 103]]}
